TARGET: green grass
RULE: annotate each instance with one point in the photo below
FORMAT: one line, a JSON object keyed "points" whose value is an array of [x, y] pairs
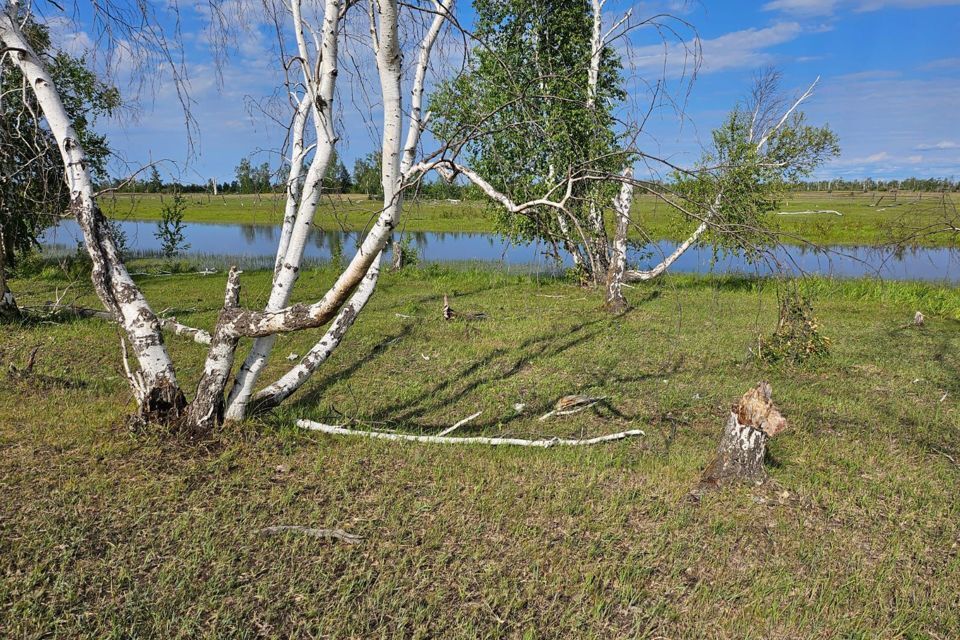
{"points": [[350, 212], [862, 223], [108, 534]]}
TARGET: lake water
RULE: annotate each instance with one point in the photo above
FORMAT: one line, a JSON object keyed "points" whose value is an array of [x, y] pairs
{"points": [[256, 245]]}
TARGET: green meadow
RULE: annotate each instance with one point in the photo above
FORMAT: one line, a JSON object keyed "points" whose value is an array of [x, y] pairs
{"points": [[113, 534]]}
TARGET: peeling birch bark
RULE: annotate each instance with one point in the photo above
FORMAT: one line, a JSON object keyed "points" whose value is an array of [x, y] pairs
{"points": [[544, 443], [615, 302], [743, 447], [319, 101], [206, 410], [117, 291]]}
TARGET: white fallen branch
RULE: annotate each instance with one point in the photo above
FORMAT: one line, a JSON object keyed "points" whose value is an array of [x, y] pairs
{"points": [[320, 534], [543, 443], [447, 432], [798, 213], [197, 335]]}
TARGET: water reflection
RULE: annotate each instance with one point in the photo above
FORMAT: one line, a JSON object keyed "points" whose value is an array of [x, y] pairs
{"points": [[259, 241]]}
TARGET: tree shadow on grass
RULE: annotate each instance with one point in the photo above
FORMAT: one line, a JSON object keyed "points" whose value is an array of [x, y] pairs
{"points": [[314, 393], [456, 384]]}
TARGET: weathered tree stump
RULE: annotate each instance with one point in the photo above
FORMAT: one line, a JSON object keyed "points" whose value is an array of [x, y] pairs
{"points": [[399, 260], [743, 446]]}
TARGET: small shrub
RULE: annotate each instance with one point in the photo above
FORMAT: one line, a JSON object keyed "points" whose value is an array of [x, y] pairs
{"points": [[170, 229], [797, 337], [410, 253]]}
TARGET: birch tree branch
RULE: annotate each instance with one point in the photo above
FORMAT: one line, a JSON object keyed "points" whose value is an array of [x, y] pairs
{"points": [[544, 443]]}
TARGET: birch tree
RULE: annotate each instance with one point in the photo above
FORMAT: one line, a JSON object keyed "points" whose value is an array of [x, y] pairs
{"points": [[153, 377], [765, 143], [32, 190], [534, 108]]}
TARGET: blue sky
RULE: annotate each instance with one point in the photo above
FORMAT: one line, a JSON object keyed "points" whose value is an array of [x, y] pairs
{"points": [[890, 85]]}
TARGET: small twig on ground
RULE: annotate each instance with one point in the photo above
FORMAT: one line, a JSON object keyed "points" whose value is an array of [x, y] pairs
{"points": [[948, 457], [459, 424], [320, 534]]}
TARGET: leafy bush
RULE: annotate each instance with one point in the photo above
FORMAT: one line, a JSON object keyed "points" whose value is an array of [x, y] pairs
{"points": [[797, 337]]}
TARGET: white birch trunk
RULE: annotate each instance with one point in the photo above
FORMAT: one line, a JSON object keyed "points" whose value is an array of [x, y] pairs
{"points": [[634, 275], [206, 410], [287, 385], [296, 234], [8, 305], [298, 375], [116, 289], [615, 301]]}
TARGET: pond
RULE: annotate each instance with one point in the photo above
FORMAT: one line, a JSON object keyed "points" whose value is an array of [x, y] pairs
{"points": [[255, 246]]}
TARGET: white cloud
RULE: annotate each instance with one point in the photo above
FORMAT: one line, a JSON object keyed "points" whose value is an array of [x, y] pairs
{"points": [[810, 8], [943, 145], [803, 7], [880, 120], [942, 64], [735, 50]]}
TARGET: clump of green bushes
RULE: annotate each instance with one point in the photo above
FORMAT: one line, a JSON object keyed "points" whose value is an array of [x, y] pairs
{"points": [[797, 337]]}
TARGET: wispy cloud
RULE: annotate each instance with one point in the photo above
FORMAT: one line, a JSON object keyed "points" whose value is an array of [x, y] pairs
{"points": [[943, 145], [879, 122], [942, 64], [810, 8], [736, 50]]}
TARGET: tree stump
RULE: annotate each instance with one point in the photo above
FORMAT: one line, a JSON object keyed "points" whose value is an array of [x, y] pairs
{"points": [[398, 257], [743, 446]]}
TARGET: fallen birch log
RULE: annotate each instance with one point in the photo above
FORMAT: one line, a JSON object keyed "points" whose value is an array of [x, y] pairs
{"points": [[797, 213], [542, 443]]}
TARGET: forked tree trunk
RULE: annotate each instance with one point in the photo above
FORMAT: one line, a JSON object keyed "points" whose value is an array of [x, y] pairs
{"points": [[301, 206], [274, 394], [743, 445]]}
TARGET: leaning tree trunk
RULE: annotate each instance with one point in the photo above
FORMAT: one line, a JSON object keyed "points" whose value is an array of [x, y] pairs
{"points": [[155, 384], [743, 447], [301, 202]]}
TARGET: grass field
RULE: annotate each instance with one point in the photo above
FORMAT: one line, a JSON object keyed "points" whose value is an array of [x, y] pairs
{"points": [[108, 534], [861, 222]]}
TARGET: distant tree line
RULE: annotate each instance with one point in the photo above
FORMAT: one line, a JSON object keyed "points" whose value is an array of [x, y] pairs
{"points": [[251, 179], [869, 184], [365, 179]]}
